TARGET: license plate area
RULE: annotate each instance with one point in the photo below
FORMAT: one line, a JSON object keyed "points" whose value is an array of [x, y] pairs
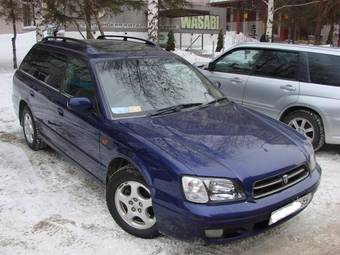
{"points": [[289, 209]]}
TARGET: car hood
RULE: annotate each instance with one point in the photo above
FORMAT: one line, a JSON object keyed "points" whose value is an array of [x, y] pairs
{"points": [[222, 141]]}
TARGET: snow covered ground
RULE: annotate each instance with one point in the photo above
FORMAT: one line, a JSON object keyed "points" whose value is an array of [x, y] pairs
{"points": [[49, 206]]}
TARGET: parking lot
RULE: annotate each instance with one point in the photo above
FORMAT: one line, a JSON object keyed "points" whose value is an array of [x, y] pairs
{"points": [[49, 206]]}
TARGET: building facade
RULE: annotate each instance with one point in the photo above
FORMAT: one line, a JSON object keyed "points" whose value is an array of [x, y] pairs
{"points": [[192, 25], [248, 17], [26, 22]]}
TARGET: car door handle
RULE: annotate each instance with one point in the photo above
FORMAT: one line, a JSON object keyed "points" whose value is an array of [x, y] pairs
{"points": [[288, 87], [236, 80], [60, 111], [52, 123], [32, 93]]}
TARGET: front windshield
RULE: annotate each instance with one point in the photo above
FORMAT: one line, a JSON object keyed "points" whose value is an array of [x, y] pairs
{"points": [[137, 86]]}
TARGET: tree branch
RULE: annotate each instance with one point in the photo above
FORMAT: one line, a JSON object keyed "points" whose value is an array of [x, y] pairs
{"points": [[295, 5]]}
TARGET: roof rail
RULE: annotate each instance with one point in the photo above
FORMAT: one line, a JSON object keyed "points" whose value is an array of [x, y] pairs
{"points": [[125, 38], [64, 39]]}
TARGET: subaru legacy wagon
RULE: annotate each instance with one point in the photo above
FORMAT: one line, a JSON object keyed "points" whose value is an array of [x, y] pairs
{"points": [[299, 85], [177, 157]]}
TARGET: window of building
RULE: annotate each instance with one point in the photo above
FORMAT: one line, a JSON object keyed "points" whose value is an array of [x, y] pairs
{"points": [[28, 13]]}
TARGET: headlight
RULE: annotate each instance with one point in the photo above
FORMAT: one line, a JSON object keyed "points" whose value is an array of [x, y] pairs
{"points": [[204, 190], [312, 158]]}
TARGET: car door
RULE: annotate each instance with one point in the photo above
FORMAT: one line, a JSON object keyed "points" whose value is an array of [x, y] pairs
{"points": [[80, 130], [273, 84], [232, 72], [43, 69]]}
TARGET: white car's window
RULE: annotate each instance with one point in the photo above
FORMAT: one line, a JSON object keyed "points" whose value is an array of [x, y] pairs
{"points": [[238, 61], [277, 64], [324, 69]]}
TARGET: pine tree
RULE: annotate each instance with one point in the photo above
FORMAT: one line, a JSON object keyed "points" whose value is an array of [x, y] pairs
{"points": [[9, 10], [70, 11], [170, 45], [220, 41]]}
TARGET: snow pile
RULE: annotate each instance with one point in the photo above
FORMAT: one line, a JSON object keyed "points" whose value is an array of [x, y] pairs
{"points": [[232, 38], [24, 43], [191, 57]]}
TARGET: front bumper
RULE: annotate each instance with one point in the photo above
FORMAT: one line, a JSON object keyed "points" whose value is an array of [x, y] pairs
{"points": [[238, 220]]}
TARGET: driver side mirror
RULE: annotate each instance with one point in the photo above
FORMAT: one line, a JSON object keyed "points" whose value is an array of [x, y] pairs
{"points": [[211, 66], [79, 104]]}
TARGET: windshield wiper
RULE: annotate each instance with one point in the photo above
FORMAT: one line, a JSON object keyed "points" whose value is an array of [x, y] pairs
{"points": [[175, 108], [215, 102]]}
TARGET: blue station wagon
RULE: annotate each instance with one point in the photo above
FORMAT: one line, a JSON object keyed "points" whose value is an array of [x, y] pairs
{"points": [[177, 157]]}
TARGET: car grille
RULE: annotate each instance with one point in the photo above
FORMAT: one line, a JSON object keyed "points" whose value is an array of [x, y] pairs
{"points": [[280, 182]]}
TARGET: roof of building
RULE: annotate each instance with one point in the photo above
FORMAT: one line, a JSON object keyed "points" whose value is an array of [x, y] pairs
{"points": [[113, 46], [293, 47]]}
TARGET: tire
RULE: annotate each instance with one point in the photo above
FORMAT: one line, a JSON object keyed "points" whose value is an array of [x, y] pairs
{"points": [[312, 121], [31, 130], [121, 202]]}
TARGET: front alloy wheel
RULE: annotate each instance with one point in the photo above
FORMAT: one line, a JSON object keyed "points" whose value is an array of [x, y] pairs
{"points": [[134, 205], [130, 203]]}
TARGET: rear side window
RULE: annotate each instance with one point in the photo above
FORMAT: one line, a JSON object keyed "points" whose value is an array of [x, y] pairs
{"points": [[324, 69], [277, 64], [238, 61], [48, 67]]}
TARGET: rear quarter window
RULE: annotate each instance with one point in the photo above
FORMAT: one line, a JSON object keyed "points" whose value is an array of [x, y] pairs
{"points": [[324, 69], [48, 67]]}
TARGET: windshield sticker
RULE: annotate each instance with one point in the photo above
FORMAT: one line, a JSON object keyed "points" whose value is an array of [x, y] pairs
{"points": [[123, 110]]}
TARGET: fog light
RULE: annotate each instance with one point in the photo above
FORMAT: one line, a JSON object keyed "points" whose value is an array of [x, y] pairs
{"points": [[214, 233]]}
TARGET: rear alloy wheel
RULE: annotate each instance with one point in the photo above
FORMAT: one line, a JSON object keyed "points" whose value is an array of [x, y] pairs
{"points": [[31, 130], [309, 124], [130, 203]]}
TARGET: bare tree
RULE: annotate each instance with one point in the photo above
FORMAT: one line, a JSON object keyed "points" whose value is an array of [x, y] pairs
{"points": [[153, 20], [153, 14], [277, 5], [39, 20], [9, 10]]}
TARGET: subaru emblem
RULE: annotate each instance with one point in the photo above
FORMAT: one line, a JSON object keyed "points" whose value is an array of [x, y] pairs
{"points": [[285, 179]]}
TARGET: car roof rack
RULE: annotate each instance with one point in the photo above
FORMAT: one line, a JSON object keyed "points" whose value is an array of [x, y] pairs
{"points": [[64, 39], [125, 38]]}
